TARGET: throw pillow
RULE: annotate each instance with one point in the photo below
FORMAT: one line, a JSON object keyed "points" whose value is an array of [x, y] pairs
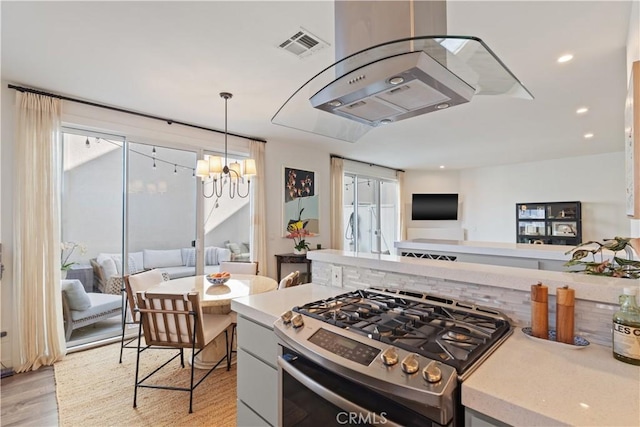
{"points": [[211, 255], [109, 267], [189, 257], [223, 255], [77, 298], [244, 247], [136, 262], [234, 248], [162, 258]]}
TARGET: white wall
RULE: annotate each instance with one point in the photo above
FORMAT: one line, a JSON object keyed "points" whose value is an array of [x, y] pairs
{"points": [[488, 195], [596, 181], [439, 181], [235, 228], [300, 156]]}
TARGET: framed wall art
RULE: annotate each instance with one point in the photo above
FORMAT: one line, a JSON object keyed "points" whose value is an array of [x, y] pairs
{"points": [[300, 201]]}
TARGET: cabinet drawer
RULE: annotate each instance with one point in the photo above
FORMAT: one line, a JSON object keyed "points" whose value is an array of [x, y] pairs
{"points": [[257, 340], [247, 418], [258, 386]]}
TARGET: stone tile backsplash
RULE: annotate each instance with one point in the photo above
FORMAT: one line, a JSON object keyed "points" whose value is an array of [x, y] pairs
{"points": [[592, 319]]}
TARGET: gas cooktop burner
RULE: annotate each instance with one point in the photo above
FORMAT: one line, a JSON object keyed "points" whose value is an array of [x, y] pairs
{"points": [[441, 329]]}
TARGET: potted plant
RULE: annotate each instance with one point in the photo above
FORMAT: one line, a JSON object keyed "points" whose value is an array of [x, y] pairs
{"points": [[614, 267], [298, 233], [67, 249]]}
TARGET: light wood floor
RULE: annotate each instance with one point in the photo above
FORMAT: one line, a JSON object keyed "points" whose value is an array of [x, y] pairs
{"points": [[29, 399]]}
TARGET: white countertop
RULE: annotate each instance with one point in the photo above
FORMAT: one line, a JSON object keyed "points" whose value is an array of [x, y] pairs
{"points": [[525, 382], [266, 308], [502, 249], [590, 288], [518, 250], [540, 383]]}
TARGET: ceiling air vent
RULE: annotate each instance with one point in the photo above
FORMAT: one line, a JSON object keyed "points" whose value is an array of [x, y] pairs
{"points": [[303, 43]]}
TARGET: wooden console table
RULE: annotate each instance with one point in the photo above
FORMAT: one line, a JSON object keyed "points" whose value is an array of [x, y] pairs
{"points": [[292, 258]]}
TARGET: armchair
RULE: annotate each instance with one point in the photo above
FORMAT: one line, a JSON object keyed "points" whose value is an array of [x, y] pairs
{"points": [[80, 308]]}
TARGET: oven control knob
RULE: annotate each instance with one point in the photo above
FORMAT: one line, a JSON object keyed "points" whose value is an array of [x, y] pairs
{"points": [[389, 356], [297, 321], [286, 317], [432, 373], [410, 364]]}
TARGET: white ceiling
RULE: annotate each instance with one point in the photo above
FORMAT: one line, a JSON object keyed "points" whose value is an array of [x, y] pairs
{"points": [[171, 59]]}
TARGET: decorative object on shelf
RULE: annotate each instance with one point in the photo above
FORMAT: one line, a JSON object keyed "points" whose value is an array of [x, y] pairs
{"points": [[617, 267], [66, 250], [300, 201], [235, 174]]}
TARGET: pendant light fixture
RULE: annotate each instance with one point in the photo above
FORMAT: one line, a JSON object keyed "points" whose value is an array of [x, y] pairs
{"points": [[217, 169]]}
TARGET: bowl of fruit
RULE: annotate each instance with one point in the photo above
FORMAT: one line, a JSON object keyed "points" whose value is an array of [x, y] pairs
{"points": [[218, 278]]}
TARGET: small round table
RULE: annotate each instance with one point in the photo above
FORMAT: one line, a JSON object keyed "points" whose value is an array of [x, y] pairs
{"points": [[216, 299]]}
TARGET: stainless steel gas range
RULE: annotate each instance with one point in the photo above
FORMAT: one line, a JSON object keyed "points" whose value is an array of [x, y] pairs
{"points": [[381, 357]]}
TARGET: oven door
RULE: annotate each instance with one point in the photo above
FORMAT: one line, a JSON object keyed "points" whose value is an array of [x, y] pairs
{"points": [[310, 395]]}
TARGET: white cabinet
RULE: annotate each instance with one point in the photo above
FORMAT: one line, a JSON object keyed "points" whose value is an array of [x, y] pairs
{"points": [[476, 419], [257, 374], [247, 418]]}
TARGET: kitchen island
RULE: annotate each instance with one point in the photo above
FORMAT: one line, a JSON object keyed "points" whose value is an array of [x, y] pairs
{"points": [[524, 382]]}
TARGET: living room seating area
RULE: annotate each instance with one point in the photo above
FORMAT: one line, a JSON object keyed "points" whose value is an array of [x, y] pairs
{"points": [[175, 263]]}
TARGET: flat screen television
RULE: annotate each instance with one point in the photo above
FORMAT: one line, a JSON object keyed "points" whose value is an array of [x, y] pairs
{"points": [[434, 207]]}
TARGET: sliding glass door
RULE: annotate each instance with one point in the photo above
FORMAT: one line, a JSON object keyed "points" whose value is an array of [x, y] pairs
{"points": [[91, 218], [370, 214], [161, 209], [226, 220], [129, 206]]}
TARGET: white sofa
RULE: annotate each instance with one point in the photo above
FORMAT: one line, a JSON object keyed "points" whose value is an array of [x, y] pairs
{"points": [[175, 263]]}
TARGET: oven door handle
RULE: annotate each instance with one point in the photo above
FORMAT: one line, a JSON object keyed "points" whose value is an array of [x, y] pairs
{"points": [[336, 399]]}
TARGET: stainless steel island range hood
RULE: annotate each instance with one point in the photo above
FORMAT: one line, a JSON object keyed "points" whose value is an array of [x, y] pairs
{"points": [[386, 73]]}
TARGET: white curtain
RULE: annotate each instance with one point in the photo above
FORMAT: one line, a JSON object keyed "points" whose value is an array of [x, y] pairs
{"points": [[337, 193], [258, 215], [39, 333], [401, 209]]}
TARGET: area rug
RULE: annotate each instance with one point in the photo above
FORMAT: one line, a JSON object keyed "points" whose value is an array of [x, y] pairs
{"points": [[93, 389]]}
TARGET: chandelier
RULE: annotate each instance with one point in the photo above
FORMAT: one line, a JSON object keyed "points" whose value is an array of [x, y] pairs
{"points": [[235, 174]]}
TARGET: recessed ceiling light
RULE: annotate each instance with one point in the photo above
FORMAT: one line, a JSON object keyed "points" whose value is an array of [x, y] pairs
{"points": [[588, 135], [582, 110], [441, 166], [565, 58]]}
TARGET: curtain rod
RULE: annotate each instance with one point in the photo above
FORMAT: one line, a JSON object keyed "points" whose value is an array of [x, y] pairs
{"points": [[122, 110], [366, 163]]}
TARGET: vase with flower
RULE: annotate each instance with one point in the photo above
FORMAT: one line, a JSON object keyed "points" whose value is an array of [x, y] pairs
{"points": [[298, 232], [67, 249]]}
